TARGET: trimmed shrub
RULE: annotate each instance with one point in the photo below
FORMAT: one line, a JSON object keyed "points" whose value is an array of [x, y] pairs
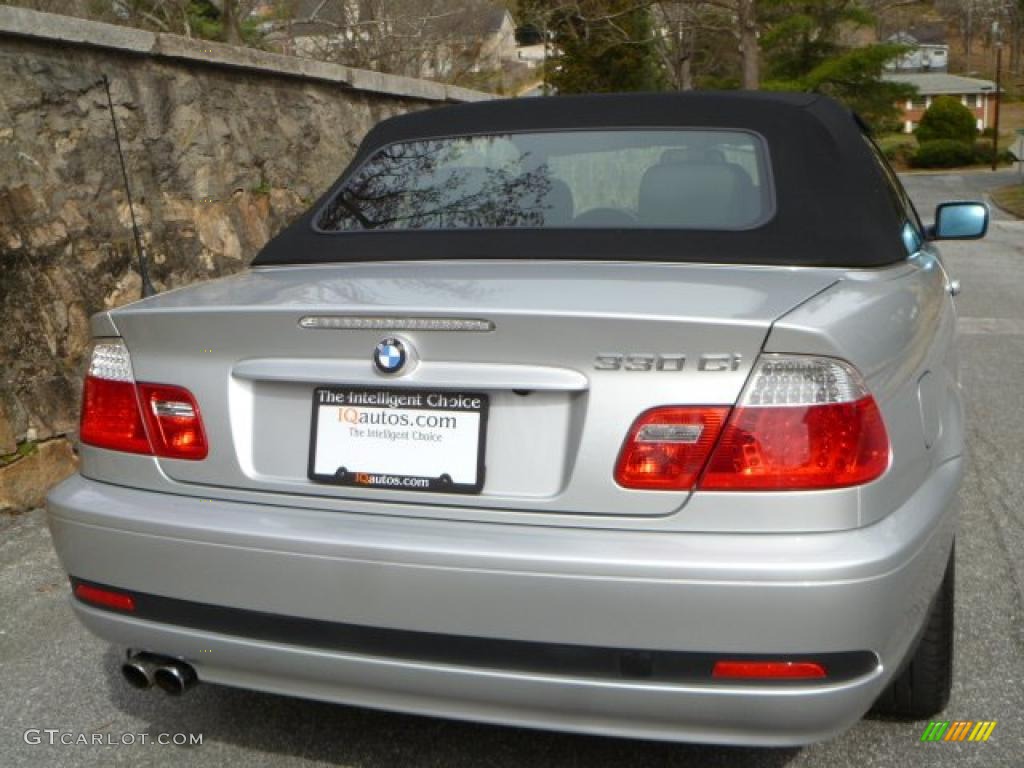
{"points": [[947, 118], [983, 153], [942, 153], [900, 153]]}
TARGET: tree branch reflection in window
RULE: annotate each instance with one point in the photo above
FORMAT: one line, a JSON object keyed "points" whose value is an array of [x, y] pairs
{"points": [[681, 178], [423, 185]]}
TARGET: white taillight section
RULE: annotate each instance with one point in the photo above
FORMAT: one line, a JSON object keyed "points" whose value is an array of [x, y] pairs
{"points": [[151, 419], [110, 361], [802, 381], [670, 433], [172, 409], [801, 423]]}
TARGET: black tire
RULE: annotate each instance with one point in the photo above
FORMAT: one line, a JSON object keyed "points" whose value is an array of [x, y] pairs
{"points": [[922, 688]]}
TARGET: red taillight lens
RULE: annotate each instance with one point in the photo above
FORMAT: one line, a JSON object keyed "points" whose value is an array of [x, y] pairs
{"points": [[666, 448], [764, 670], [785, 447], [175, 425], [153, 419], [111, 418], [802, 423], [105, 597]]}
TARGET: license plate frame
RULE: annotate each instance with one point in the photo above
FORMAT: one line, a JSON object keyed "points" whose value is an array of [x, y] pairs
{"points": [[357, 408]]}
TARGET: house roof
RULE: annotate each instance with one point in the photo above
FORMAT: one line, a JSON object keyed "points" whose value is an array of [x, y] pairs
{"points": [[938, 83], [922, 33]]}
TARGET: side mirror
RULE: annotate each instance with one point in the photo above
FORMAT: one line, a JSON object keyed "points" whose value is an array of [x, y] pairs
{"points": [[960, 221]]}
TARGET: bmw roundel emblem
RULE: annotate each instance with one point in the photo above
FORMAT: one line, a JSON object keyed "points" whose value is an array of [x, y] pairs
{"points": [[390, 356]]}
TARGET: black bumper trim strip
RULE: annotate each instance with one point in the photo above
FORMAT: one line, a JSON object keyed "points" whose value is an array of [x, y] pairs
{"points": [[558, 659]]}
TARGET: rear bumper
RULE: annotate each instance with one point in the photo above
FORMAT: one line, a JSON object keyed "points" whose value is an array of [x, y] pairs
{"points": [[725, 594]]}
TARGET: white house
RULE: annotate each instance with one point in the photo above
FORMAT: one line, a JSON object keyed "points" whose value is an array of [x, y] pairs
{"points": [[929, 49]]}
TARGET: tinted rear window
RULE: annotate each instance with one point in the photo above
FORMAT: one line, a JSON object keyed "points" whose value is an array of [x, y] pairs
{"points": [[657, 179]]}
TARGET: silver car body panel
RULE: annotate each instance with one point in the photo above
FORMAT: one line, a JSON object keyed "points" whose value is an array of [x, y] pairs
{"points": [[233, 341], [552, 550], [867, 588]]}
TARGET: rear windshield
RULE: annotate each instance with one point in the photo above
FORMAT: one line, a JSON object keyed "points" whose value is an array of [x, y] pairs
{"points": [[657, 179]]}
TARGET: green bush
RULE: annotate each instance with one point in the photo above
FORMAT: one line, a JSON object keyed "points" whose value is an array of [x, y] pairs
{"points": [[983, 153], [947, 118], [899, 153], [942, 153]]}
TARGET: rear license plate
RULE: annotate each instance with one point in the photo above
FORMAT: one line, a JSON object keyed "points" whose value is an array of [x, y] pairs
{"points": [[409, 440]]}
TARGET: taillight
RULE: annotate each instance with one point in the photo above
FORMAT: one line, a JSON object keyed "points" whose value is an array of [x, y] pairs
{"points": [[175, 426], [801, 423], [666, 448], [110, 408], [152, 419]]}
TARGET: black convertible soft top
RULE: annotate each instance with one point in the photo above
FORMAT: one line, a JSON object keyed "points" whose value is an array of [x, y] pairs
{"points": [[833, 207]]}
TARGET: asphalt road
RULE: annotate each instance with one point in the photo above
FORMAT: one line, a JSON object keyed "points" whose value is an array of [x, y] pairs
{"points": [[53, 675]]}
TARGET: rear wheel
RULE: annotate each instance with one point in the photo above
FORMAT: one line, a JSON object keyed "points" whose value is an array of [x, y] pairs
{"points": [[922, 688]]}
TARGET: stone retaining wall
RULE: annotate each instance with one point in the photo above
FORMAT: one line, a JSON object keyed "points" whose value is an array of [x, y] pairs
{"points": [[224, 146]]}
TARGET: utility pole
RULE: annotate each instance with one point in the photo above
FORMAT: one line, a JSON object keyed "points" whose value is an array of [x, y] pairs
{"points": [[995, 124], [967, 39]]}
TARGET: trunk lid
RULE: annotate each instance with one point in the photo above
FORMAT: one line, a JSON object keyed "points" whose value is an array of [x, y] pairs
{"points": [[576, 353]]}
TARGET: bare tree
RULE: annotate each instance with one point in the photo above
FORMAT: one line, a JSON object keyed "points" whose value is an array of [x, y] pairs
{"points": [[677, 23], [750, 48], [439, 38], [684, 21], [973, 19]]}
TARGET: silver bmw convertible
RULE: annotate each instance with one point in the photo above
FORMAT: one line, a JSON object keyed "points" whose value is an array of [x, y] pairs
{"points": [[628, 414]]}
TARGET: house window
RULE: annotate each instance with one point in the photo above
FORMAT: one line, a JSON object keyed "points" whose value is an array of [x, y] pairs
{"points": [[919, 102]]}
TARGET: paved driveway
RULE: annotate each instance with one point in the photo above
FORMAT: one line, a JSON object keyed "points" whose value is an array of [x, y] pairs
{"points": [[54, 675]]}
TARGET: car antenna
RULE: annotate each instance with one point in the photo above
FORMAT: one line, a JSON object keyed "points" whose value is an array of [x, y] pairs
{"points": [[147, 285]]}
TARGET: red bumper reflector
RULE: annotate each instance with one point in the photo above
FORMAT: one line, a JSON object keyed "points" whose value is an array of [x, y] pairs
{"points": [[108, 599], [766, 670]]}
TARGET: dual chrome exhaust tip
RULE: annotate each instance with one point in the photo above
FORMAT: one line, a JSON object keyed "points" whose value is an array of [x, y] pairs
{"points": [[143, 670]]}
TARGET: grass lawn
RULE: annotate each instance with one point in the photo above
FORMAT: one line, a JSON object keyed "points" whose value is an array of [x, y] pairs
{"points": [[1011, 117], [1010, 199]]}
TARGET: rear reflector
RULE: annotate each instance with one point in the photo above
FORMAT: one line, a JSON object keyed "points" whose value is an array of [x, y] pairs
{"points": [[802, 423], [769, 670], [666, 448], [104, 597], [151, 419]]}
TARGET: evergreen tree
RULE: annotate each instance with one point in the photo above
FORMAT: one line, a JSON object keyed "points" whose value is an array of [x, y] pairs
{"points": [[601, 46], [804, 51]]}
